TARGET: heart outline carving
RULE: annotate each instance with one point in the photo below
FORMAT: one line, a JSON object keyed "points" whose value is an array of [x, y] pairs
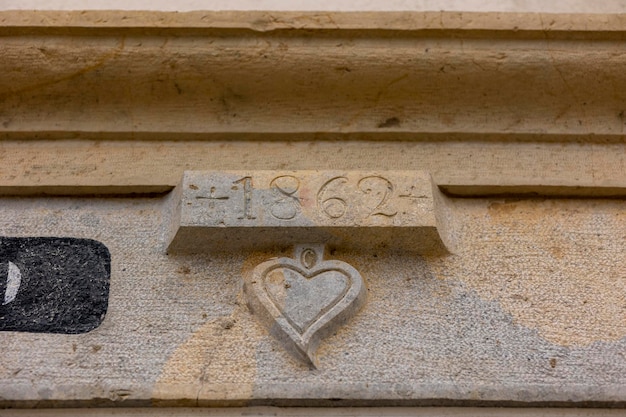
{"points": [[315, 282]]}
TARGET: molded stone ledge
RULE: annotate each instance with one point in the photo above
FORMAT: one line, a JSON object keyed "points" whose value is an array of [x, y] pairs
{"points": [[460, 168], [106, 102], [210, 75], [351, 210]]}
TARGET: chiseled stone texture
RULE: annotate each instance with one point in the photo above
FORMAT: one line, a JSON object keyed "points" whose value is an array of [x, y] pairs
{"points": [[530, 309]]}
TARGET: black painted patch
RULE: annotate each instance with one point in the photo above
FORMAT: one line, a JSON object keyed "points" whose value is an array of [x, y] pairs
{"points": [[63, 284]]}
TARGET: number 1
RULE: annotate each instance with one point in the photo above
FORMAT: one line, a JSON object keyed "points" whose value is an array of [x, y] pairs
{"points": [[247, 197]]}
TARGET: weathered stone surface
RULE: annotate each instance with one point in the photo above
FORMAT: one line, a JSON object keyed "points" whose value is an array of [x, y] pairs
{"points": [[259, 210], [268, 411], [469, 168], [487, 103], [527, 309], [530, 309]]}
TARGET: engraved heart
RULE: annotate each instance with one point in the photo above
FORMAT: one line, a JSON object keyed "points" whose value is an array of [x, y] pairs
{"points": [[303, 299]]}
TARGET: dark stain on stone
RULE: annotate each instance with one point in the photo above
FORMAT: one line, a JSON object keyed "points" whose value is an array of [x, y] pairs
{"points": [[391, 122], [53, 285]]}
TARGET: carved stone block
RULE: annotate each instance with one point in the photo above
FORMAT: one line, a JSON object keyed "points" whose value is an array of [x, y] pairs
{"points": [[354, 210]]}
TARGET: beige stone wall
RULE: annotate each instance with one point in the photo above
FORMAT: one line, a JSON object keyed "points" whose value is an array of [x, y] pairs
{"points": [[519, 119], [557, 6]]}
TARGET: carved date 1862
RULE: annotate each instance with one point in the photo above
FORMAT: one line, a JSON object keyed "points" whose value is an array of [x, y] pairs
{"points": [[280, 196]]}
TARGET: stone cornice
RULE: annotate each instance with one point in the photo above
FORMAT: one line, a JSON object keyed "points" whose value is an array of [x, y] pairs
{"points": [[266, 21], [454, 79]]}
